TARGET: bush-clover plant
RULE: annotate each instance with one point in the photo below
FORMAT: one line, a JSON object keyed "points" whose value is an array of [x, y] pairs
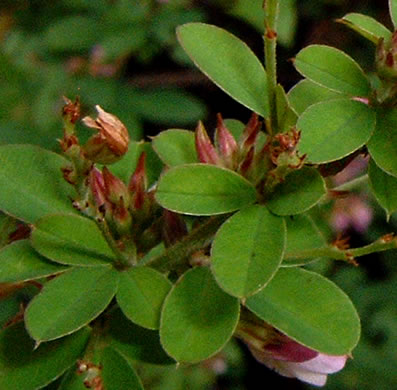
{"points": [[163, 251]]}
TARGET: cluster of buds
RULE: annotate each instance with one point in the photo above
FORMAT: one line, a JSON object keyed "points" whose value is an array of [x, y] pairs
{"points": [[284, 355], [92, 375]]}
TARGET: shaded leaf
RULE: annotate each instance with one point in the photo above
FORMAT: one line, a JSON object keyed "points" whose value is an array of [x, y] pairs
{"points": [[198, 318], [228, 62], [310, 309], [247, 250]]}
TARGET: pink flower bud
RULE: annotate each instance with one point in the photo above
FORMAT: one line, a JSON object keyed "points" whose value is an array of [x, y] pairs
{"points": [[205, 149], [138, 184], [227, 145], [250, 133], [97, 186], [111, 142], [115, 189]]}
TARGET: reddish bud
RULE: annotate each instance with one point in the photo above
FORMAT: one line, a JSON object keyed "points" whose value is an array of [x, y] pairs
{"points": [[250, 133], [205, 149], [138, 184], [97, 186], [71, 110], [247, 164], [174, 227], [115, 189], [111, 142], [227, 145]]}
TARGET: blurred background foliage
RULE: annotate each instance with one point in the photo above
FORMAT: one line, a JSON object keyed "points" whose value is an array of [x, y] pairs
{"points": [[124, 56]]}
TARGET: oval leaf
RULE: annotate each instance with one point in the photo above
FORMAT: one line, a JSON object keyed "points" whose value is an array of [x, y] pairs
{"points": [[117, 373], [384, 187], [332, 69], [334, 129], [31, 182], [141, 295], [310, 309], [198, 318], [24, 367], [383, 144], [306, 93], [366, 26], [19, 262], [247, 250], [70, 301], [300, 191], [393, 12], [228, 62], [302, 235], [71, 239], [176, 147], [203, 189]]}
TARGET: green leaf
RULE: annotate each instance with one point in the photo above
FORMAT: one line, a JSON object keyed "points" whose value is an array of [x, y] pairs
{"points": [[310, 309], [302, 234], [332, 69], [198, 318], [31, 182], [247, 250], [383, 144], [366, 26], [117, 372], [228, 62], [135, 342], [20, 262], [306, 93], [334, 129], [203, 189], [301, 190], [286, 117], [393, 12], [24, 367], [71, 239], [70, 301], [384, 187], [176, 147], [141, 295]]}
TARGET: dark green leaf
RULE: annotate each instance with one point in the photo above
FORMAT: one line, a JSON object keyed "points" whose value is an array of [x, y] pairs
{"points": [[334, 129], [141, 295], [20, 262], [70, 301], [301, 190], [117, 372], [286, 117], [71, 239], [176, 147], [333, 69], [31, 182], [23, 367], [203, 189], [228, 62], [198, 317], [384, 187], [247, 250], [310, 309]]}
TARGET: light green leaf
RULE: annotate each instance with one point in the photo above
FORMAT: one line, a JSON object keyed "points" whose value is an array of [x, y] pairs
{"points": [[247, 250], [366, 26], [332, 69], [141, 295], [20, 262], [334, 129], [203, 189], [228, 62], [176, 147], [70, 301], [117, 372], [393, 12], [383, 144], [198, 318], [31, 182], [24, 367], [302, 234], [301, 190], [306, 93], [384, 187], [310, 309], [71, 239]]}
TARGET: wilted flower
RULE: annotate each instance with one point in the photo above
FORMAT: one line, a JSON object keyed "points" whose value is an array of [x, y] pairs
{"points": [[286, 356], [111, 142]]}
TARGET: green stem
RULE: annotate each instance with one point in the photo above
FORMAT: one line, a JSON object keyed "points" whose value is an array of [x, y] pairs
{"points": [[383, 244], [350, 185], [270, 40], [197, 239]]}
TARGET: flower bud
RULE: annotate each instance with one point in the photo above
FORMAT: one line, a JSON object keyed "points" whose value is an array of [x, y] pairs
{"points": [[97, 186], [386, 58], [111, 141], [115, 189], [138, 184], [205, 149], [227, 145]]}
